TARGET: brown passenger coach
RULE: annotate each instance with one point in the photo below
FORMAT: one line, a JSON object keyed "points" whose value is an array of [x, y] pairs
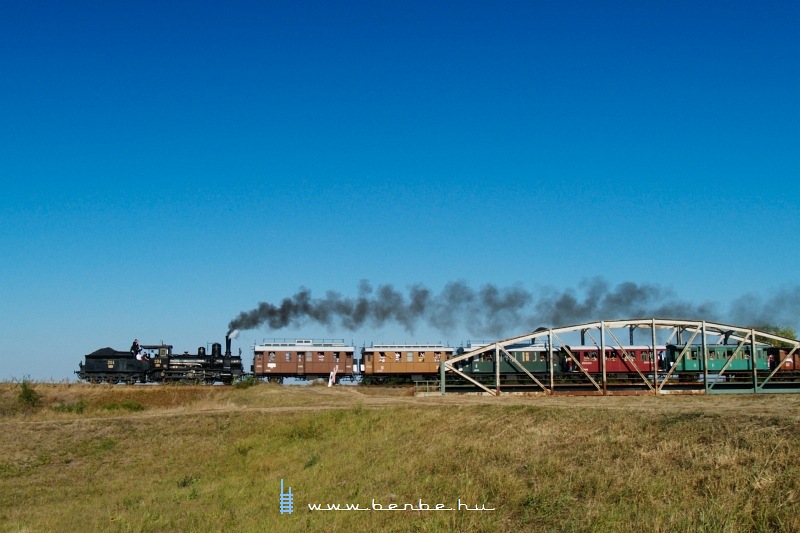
{"points": [[275, 360]]}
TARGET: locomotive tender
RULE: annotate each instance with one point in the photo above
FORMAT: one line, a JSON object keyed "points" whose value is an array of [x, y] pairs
{"points": [[160, 365]]}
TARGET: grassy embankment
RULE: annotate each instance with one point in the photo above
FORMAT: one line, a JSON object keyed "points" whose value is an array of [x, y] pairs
{"points": [[101, 458]]}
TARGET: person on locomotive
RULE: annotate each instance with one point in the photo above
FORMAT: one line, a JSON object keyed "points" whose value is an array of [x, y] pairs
{"points": [[136, 349]]}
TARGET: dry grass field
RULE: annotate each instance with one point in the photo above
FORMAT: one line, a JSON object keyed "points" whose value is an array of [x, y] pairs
{"points": [[185, 458]]}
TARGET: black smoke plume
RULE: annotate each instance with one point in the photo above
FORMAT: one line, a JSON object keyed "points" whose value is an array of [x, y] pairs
{"points": [[497, 311]]}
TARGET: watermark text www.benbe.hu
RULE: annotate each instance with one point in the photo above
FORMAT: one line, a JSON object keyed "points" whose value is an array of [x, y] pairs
{"points": [[287, 505], [419, 505]]}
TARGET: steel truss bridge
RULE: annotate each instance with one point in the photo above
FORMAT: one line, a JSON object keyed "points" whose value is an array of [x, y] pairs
{"points": [[692, 342]]}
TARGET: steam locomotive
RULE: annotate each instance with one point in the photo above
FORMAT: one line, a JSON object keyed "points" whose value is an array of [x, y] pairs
{"points": [[158, 364]]}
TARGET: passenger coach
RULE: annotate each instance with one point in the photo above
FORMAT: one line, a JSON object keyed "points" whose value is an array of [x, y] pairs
{"points": [[619, 359], [402, 362], [276, 359]]}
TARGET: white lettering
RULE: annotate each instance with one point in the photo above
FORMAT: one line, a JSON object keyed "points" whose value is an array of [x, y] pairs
{"points": [[376, 506]]}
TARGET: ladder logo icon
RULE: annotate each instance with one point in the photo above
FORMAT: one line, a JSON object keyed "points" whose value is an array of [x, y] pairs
{"points": [[287, 501]]}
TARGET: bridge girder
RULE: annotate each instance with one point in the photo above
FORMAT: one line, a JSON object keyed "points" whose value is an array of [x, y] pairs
{"points": [[551, 338]]}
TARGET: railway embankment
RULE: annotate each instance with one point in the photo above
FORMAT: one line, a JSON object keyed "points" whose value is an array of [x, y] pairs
{"points": [[121, 458]]}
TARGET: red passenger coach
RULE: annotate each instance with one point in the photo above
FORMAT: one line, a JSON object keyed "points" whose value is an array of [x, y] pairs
{"points": [[302, 359], [619, 359], [788, 359]]}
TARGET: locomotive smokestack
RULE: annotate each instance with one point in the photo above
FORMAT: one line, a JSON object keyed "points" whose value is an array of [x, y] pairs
{"points": [[228, 338]]}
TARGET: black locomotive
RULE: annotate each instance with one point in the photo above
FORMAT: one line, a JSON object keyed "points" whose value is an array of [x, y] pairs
{"points": [[157, 364]]}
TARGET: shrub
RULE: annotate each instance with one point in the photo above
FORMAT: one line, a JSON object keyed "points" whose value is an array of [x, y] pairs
{"points": [[127, 405], [245, 382], [28, 397], [77, 407]]}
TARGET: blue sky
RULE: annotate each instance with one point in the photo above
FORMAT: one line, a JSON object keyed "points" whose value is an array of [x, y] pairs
{"points": [[167, 165]]}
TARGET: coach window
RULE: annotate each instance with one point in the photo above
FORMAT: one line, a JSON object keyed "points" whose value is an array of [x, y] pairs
{"points": [[421, 356], [409, 357], [383, 357], [396, 357], [335, 357], [288, 357], [271, 357], [437, 356]]}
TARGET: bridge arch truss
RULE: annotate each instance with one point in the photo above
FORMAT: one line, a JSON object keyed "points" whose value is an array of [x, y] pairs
{"points": [[630, 356]]}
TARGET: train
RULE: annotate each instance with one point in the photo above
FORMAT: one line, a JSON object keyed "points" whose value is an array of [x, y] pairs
{"points": [[335, 360], [156, 363], [307, 359]]}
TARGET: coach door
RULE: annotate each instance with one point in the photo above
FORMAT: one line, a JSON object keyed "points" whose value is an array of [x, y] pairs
{"points": [[301, 362]]}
